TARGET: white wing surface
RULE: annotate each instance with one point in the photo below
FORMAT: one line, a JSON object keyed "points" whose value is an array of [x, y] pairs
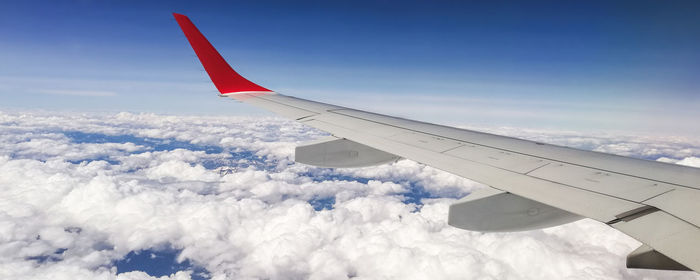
{"points": [[534, 185]]}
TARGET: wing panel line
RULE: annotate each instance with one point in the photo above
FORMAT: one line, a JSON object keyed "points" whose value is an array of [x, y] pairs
{"points": [[337, 111]]}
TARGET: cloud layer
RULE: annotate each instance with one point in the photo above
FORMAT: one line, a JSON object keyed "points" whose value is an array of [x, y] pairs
{"points": [[80, 192]]}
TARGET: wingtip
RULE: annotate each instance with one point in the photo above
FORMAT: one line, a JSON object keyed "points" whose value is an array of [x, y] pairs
{"points": [[222, 75], [181, 18]]}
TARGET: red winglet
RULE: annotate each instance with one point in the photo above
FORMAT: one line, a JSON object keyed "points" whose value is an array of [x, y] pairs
{"points": [[224, 77]]}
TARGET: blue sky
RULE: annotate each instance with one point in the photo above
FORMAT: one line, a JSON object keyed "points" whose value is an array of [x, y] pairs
{"points": [[584, 66]]}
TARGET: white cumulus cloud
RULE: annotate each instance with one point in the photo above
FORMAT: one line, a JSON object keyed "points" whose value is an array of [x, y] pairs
{"points": [[80, 192]]}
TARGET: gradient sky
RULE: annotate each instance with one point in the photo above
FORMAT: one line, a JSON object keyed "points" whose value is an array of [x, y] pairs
{"points": [[627, 65]]}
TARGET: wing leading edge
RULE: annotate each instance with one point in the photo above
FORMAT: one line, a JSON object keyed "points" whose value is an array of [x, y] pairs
{"points": [[544, 185]]}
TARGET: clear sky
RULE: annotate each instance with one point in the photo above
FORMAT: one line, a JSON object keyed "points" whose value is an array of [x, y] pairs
{"points": [[622, 65]]}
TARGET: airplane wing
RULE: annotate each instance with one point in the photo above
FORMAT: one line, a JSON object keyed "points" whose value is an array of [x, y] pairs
{"points": [[532, 185]]}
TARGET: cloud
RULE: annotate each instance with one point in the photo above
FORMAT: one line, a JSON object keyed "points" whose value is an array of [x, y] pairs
{"points": [[690, 161], [625, 144], [97, 93], [83, 191]]}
